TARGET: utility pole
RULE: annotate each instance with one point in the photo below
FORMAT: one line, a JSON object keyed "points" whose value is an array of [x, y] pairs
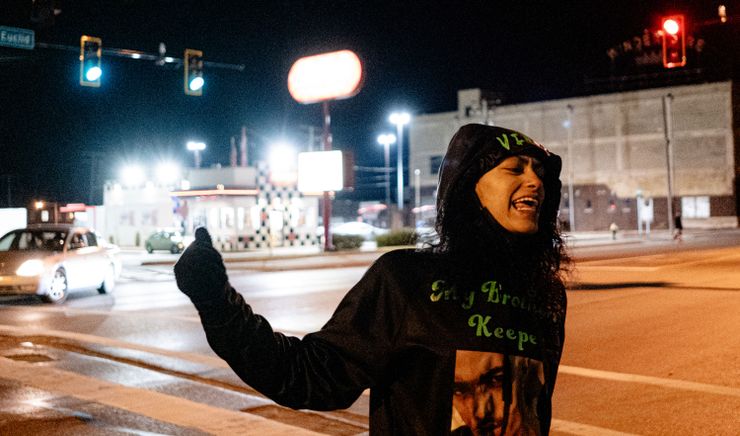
{"points": [[417, 190], [668, 132], [571, 197]]}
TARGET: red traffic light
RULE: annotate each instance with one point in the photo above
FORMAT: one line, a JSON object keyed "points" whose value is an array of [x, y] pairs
{"points": [[671, 26], [674, 41]]}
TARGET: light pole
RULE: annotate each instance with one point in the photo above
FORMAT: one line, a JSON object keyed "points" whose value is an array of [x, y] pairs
{"points": [[386, 140], [668, 133], [400, 119], [417, 189], [571, 198], [196, 148]]}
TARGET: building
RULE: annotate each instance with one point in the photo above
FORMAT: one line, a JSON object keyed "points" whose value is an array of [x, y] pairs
{"points": [[615, 153], [239, 205]]}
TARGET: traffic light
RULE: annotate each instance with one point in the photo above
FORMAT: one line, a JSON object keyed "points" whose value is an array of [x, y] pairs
{"points": [[674, 41], [193, 72], [91, 49]]}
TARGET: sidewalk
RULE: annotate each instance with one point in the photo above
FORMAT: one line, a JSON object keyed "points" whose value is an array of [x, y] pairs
{"points": [[304, 258]]}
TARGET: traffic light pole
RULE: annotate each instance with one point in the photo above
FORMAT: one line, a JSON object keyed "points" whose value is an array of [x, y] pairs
{"points": [[141, 56], [668, 132]]}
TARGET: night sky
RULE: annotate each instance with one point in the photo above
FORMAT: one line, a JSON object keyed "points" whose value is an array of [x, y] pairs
{"points": [[60, 141]]}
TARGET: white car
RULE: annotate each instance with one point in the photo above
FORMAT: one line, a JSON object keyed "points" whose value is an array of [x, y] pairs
{"points": [[52, 260], [358, 228]]}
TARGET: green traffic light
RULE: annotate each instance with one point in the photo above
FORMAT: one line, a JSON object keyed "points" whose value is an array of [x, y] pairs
{"points": [[93, 74], [196, 83]]}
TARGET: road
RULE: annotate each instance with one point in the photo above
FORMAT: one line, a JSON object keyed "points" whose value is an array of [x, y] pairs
{"points": [[651, 348]]}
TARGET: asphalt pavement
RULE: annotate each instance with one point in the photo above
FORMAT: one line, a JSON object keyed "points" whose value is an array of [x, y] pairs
{"points": [[127, 407]]}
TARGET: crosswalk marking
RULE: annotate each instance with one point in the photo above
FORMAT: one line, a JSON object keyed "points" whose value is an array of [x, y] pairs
{"points": [[215, 362], [579, 429], [649, 380], [218, 363], [558, 425], [155, 405]]}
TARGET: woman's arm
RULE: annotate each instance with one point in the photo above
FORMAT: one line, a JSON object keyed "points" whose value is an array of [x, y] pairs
{"points": [[325, 370]]}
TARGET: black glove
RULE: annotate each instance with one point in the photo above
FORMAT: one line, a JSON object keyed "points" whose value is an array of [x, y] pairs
{"points": [[200, 272]]}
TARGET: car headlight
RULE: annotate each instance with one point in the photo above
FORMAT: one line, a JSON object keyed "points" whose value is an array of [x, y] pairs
{"points": [[30, 268]]}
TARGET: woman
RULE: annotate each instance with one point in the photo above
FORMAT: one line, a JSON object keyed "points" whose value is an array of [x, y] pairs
{"points": [[463, 337]]}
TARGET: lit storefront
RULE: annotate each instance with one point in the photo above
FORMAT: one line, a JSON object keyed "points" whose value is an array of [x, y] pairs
{"points": [[240, 206]]}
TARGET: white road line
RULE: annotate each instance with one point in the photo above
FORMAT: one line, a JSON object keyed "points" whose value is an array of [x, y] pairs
{"points": [[162, 407], [703, 261], [74, 311], [584, 429], [616, 268], [99, 340], [218, 363], [649, 380], [599, 266]]}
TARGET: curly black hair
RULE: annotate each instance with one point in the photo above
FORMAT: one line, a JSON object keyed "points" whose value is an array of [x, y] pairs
{"points": [[469, 233]]}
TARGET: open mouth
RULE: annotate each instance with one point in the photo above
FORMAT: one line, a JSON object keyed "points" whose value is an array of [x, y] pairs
{"points": [[526, 204]]}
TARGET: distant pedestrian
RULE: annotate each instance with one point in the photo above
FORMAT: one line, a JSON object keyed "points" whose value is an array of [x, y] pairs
{"points": [[614, 228], [463, 337], [679, 227]]}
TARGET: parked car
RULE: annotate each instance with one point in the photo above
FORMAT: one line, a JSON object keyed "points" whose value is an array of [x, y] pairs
{"points": [[52, 260], [169, 240], [367, 231]]}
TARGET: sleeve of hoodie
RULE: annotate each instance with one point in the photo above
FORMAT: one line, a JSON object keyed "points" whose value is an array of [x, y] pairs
{"points": [[544, 406], [325, 370]]}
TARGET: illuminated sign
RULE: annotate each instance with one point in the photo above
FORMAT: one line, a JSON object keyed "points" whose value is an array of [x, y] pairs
{"points": [[327, 76], [320, 171]]}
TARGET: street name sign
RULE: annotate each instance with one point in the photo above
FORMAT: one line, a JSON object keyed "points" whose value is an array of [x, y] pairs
{"points": [[16, 37]]}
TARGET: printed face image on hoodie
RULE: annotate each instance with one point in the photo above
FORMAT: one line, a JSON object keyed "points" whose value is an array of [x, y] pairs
{"points": [[495, 394]]}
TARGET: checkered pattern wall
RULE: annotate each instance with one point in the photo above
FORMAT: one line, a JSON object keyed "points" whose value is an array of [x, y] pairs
{"points": [[271, 198]]}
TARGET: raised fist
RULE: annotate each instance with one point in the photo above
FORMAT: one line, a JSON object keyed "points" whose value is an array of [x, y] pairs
{"points": [[200, 272]]}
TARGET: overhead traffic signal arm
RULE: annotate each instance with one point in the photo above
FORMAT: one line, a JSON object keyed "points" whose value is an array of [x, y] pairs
{"points": [[193, 72], [673, 29], [91, 50]]}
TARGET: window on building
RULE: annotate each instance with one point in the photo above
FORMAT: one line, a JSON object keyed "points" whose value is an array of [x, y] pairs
{"points": [[434, 163], [213, 217], [227, 218], [627, 206], [255, 213], [240, 218], [695, 207]]}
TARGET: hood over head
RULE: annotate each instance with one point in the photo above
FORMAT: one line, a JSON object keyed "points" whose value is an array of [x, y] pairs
{"points": [[476, 149]]}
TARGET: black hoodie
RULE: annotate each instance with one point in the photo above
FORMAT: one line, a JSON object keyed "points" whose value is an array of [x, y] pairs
{"points": [[451, 340]]}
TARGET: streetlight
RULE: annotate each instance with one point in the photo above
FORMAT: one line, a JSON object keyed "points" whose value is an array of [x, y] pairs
{"points": [[386, 140], [167, 173], [400, 119], [196, 148], [282, 162], [133, 175]]}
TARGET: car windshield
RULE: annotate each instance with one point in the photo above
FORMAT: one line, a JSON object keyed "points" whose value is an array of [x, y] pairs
{"points": [[30, 240]]}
